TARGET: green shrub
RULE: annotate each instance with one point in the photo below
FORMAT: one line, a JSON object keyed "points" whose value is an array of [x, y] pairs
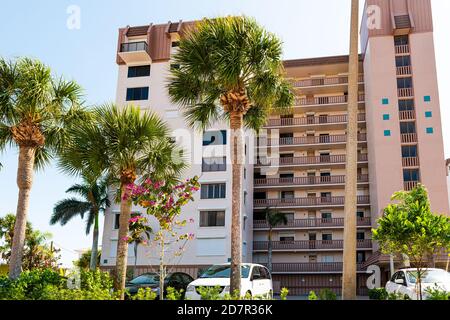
{"points": [[398, 296], [144, 294], [210, 293], [312, 296], [327, 294], [173, 294], [284, 293], [437, 294], [378, 294]]}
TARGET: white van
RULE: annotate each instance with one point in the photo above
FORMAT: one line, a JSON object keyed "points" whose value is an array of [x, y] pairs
{"points": [[256, 281]]}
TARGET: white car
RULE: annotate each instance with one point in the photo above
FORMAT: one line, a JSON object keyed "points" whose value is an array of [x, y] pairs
{"points": [[405, 282], [256, 281]]}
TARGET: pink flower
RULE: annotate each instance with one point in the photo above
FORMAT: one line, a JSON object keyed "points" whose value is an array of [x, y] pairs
{"points": [[191, 236], [126, 238]]}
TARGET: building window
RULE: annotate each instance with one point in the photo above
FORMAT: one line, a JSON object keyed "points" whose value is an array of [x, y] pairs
{"points": [[407, 127], [212, 218], [327, 237], [175, 44], [430, 130], [360, 257], [427, 98], [214, 164], [428, 114], [174, 66], [326, 216], [403, 61], [134, 94], [116, 221], [387, 133], [259, 196], [215, 138], [401, 40], [360, 236], [404, 83], [213, 191], [386, 117], [360, 214], [409, 151], [245, 197], [385, 101], [406, 105], [138, 71], [411, 175], [287, 195]]}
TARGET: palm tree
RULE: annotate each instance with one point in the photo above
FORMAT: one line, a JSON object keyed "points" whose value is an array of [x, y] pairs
{"points": [[122, 143], [94, 201], [230, 69], [273, 219], [141, 236], [35, 109], [349, 255]]}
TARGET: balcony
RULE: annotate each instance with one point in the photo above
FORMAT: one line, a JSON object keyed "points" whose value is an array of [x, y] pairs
{"points": [[412, 162], [306, 181], [409, 185], [312, 121], [134, 52], [309, 202], [404, 71], [317, 223], [310, 267], [406, 93], [325, 160], [308, 140], [402, 50], [407, 115], [409, 138], [308, 245], [324, 82], [329, 100]]}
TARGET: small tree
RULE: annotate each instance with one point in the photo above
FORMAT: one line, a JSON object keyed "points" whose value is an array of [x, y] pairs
{"points": [[409, 227], [139, 235], [164, 202], [273, 219]]}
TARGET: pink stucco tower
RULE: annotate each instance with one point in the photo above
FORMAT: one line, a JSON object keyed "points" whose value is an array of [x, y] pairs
{"points": [[404, 132]]}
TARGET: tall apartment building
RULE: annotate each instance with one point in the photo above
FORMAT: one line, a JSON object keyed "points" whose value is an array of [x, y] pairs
{"points": [[300, 167]]}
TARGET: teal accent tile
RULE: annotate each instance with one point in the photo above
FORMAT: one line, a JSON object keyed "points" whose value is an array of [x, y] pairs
{"points": [[386, 117], [385, 101], [428, 114], [427, 98], [387, 133], [430, 130]]}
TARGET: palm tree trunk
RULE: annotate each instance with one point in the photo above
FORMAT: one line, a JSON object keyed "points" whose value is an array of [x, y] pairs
{"points": [[94, 249], [237, 147], [122, 246], [24, 182], [135, 259], [270, 251], [349, 255]]}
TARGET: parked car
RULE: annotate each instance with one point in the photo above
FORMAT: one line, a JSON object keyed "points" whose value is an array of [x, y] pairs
{"points": [[256, 281], [176, 280], [405, 282]]}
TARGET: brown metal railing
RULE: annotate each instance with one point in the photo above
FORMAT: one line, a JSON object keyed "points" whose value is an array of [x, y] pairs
{"points": [[309, 267], [410, 162], [409, 137], [342, 99], [407, 115], [311, 223], [308, 140], [308, 245], [402, 49], [404, 71], [305, 181], [331, 159], [317, 120], [329, 81], [409, 185], [307, 202], [405, 92]]}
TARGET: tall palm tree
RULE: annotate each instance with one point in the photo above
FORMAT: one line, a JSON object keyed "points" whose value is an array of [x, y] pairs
{"points": [[122, 143], [273, 219], [94, 201], [35, 109], [349, 258], [230, 69]]}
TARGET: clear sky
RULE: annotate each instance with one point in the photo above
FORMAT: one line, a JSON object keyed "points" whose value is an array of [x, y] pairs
{"points": [[87, 55]]}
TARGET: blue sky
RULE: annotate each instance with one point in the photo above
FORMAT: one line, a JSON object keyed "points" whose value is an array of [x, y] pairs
{"points": [[38, 29]]}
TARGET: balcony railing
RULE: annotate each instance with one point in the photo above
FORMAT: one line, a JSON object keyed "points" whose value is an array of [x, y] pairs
{"points": [[329, 81], [410, 162], [406, 92], [134, 46], [409, 137], [318, 120], [309, 140], [407, 115], [309, 267], [311, 223], [307, 202], [409, 185], [307, 161], [308, 245], [306, 181], [342, 99], [402, 49], [404, 71]]}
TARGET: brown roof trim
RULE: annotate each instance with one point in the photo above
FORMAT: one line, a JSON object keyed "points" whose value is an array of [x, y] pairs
{"points": [[318, 61]]}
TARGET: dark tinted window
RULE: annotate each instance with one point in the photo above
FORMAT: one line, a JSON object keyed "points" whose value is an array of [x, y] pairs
{"points": [[327, 237], [212, 218], [406, 105], [175, 44], [404, 83], [213, 191], [401, 40], [409, 151], [138, 71], [407, 127], [411, 175], [137, 94], [215, 138], [403, 61], [116, 221]]}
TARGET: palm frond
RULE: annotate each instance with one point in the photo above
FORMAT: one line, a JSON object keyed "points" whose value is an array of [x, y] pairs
{"points": [[67, 209]]}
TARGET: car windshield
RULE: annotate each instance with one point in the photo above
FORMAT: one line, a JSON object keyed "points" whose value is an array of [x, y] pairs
{"points": [[224, 272], [430, 276], [148, 278]]}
